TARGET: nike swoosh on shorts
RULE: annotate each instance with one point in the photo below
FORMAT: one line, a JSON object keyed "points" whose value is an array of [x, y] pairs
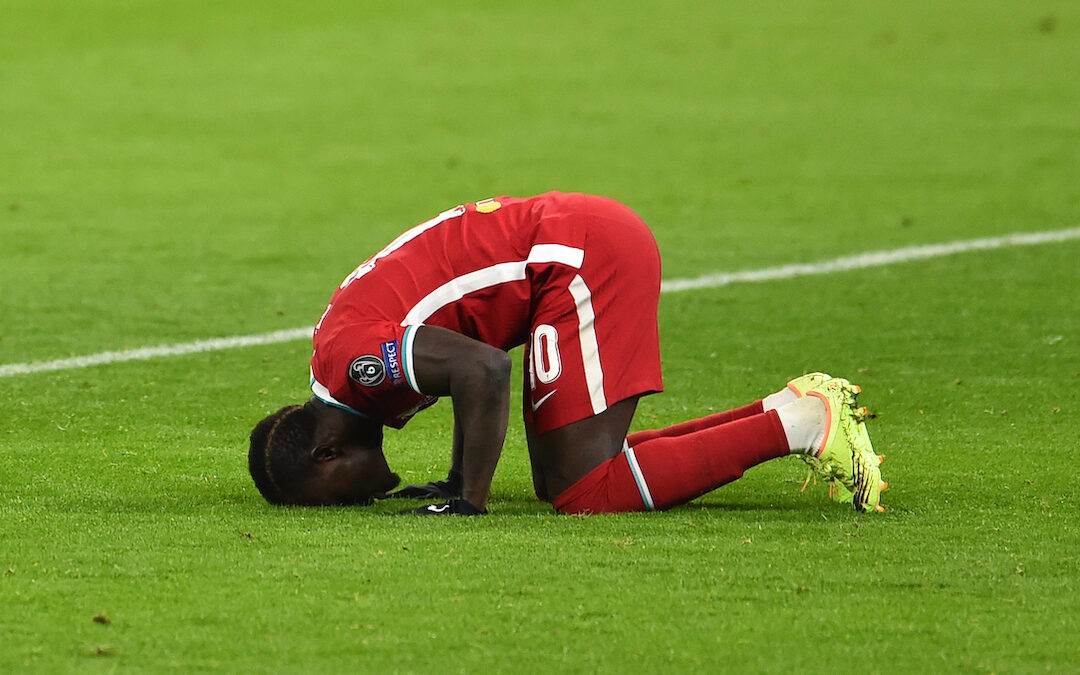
{"points": [[545, 397]]}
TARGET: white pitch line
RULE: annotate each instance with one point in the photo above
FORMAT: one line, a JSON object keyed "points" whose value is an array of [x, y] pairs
{"points": [[145, 353], [844, 264], [870, 259]]}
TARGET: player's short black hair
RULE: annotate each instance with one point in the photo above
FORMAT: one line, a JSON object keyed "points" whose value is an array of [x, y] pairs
{"points": [[277, 458]]}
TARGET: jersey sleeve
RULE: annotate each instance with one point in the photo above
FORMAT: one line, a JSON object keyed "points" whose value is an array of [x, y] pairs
{"points": [[366, 369]]}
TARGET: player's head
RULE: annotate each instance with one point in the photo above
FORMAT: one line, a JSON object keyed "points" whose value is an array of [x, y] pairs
{"points": [[316, 455]]}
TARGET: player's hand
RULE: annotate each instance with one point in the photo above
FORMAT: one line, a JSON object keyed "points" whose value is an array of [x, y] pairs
{"points": [[440, 489], [451, 507]]}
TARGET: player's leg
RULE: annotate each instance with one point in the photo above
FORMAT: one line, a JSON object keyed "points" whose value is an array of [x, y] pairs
{"points": [[591, 466], [737, 449], [662, 472]]}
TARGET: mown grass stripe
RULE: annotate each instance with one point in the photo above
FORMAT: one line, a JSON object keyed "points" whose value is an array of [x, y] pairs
{"points": [[843, 264]]}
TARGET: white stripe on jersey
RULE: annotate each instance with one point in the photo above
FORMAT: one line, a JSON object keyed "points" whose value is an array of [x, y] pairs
{"points": [[501, 273], [556, 253], [590, 349]]}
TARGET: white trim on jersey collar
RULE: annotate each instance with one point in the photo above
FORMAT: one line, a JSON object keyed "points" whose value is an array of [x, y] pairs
{"points": [[323, 394]]}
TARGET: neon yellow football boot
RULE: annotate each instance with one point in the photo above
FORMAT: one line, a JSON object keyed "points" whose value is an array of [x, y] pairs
{"points": [[846, 460]]}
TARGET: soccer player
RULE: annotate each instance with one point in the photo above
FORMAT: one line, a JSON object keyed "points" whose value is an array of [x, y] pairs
{"points": [[576, 279]]}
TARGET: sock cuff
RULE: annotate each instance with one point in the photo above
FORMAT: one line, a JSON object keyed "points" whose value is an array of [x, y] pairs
{"points": [[639, 477], [778, 431]]}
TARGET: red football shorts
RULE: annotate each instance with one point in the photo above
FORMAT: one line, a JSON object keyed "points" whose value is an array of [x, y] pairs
{"points": [[594, 339]]}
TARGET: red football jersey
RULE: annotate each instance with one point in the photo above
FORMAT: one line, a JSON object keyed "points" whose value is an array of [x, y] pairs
{"points": [[469, 269]]}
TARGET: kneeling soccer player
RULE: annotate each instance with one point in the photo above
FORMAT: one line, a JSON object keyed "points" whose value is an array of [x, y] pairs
{"points": [[576, 279]]}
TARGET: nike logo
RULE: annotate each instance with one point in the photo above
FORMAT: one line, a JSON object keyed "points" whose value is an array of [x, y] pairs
{"points": [[438, 508], [536, 406]]}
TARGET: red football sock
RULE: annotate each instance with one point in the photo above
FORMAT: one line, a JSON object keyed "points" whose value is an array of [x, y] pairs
{"points": [[755, 408], [663, 472]]}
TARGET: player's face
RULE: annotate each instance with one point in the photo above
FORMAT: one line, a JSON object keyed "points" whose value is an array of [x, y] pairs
{"points": [[355, 475]]}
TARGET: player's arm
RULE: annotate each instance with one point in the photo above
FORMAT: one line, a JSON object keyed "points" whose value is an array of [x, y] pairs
{"points": [[476, 377]]}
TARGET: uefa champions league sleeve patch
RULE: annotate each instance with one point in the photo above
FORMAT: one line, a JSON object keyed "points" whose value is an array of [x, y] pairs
{"points": [[367, 370]]}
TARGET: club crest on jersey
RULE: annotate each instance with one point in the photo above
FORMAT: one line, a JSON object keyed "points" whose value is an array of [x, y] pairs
{"points": [[392, 358], [367, 370]]}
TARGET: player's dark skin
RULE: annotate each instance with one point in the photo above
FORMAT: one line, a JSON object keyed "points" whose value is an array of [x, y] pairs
{"points": [[350, 468]]}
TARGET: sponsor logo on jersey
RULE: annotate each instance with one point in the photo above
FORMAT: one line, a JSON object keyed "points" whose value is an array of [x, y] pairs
{"points": [[392, 357], [367, 370]]}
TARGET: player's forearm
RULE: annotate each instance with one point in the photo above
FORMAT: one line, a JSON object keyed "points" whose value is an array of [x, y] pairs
{"points": [[482, 407], [477, 377]]}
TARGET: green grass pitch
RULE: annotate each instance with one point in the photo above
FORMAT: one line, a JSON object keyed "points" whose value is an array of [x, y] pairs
{"points": [[171, 172]]}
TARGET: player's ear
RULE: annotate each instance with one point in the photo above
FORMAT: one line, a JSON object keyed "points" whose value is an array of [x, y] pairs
{"points": [[324, 453]]}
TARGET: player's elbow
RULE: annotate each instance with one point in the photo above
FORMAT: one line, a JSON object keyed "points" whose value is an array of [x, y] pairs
{"points": [[494, 368], [488, 374]]}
